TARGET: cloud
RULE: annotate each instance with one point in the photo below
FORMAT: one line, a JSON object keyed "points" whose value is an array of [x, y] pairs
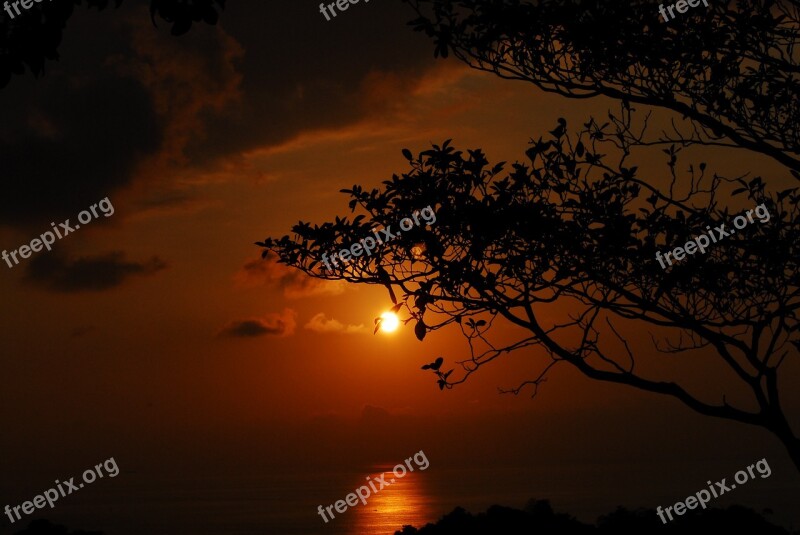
{"points": [[57, 272], [189, 79], [320, 324], [275, 324], [112, 117], [77, 332], [73, 136], [80, 124], [314, 91], [195, 109], [295, 283]]}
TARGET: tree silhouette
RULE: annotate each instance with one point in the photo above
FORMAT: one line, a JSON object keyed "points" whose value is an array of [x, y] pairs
{"points": [[28, 40], [570, 229], [731, 67], [41, 526], [539, 517], [564, 245]]}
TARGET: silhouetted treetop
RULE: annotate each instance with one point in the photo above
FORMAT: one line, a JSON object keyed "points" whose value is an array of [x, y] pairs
{"points": [[732, 67], [577, 226], [538, 517], [41, 526]]}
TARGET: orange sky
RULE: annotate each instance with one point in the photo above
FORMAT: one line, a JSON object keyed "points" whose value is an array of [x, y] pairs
{"points": [[259, 126]]}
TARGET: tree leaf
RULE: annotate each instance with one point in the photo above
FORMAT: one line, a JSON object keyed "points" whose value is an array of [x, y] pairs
{"points": [[420, 330]]}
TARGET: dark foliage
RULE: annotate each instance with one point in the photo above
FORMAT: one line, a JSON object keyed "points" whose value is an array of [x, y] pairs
{"points": [[539, 518], [576, 225], [570, 226], [45, 527], [30, 39], [731, 67]]}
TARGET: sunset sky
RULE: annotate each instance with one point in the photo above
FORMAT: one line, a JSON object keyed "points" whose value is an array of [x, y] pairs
{"points": [[158, 336]]}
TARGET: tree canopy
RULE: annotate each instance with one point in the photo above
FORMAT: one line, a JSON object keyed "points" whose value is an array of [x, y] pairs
{"points": [[567, 226], [575, 225], [732, 67]]}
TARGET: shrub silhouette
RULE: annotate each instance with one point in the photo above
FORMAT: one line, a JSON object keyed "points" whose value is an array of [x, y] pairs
{"points": [[538, 517]]}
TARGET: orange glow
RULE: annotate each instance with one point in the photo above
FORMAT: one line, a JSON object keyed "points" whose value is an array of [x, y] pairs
{"points": [[389, 322], [405, 500]]}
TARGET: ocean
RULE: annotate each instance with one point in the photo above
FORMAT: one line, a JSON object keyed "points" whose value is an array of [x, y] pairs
{"points": [[250, 504]]}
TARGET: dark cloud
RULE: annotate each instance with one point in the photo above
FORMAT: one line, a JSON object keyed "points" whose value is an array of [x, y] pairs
{"points": [[276, 324], [294, 283], [144, 104], [304, 73], [75, 135], [77, 332], [88, 127], [57, 272], [74, 151]]}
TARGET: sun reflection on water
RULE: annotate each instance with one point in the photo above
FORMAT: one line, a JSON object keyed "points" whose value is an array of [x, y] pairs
{"points": [[406, 501]]}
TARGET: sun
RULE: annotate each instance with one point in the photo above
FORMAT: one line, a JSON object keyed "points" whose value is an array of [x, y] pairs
{"points": [[389, 322]]}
